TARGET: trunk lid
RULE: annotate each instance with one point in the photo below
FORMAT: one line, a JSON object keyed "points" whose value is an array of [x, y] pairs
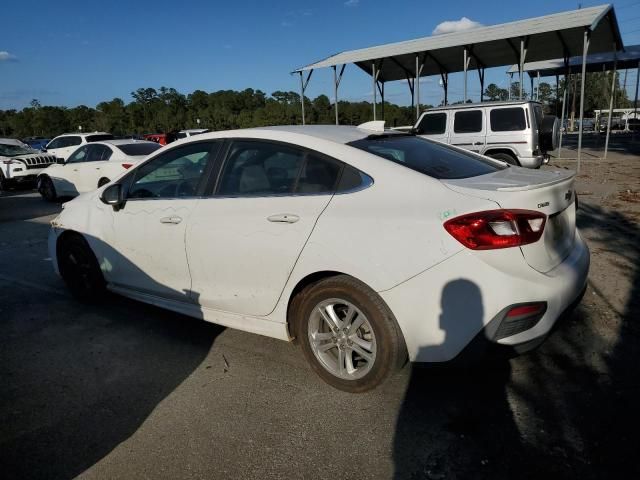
{"points": [[550, 192]]}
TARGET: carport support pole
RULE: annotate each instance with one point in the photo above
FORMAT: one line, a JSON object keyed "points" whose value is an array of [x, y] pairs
{"points": [[416, 87], [538, 87], [510, 81], [564, 102], [375, 87], [613, 92], [521, 65], [302, 95], [585, 49], [466, 63], [635, 102]]}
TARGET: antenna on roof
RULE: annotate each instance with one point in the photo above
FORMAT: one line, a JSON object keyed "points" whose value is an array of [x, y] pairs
{"points": [[374, 126]]}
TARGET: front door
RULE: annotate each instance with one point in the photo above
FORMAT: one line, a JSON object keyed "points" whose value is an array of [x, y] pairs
{"points": [[244, 240], [148, 233], [434, 126]]}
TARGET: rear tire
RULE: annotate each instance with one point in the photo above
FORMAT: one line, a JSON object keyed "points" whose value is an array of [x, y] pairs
{"points": [[505, 157], [47, 189], [348, 334], [79, 269]]}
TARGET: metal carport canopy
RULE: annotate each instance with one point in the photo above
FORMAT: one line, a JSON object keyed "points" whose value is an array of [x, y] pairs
{"points": [[550, 36], [595, 63]]}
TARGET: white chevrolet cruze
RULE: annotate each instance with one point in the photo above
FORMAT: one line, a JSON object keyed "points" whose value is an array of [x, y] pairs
{"points": [[369, 247]]}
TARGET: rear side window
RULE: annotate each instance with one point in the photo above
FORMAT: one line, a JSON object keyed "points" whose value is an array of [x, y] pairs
{"points": [[431, 158], [139, 149], [433, 124], [99, 138], [507, 119], [468, 121], [70, 141]]}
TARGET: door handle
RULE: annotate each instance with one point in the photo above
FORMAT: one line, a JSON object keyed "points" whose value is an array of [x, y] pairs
{"points": [[284, 218], [174, 220]]}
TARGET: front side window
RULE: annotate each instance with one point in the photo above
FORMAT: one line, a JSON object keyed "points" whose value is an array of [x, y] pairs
{"points": [[507, 119], [433, 124], [469, 121], [175, 174], [80, 155], [56, 143], [428, 157]]}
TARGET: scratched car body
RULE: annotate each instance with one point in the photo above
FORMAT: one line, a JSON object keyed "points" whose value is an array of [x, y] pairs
{"points": [[368, 247]]}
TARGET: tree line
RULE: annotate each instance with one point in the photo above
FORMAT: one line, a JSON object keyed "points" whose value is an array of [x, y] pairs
{"points": [[167, 110]]}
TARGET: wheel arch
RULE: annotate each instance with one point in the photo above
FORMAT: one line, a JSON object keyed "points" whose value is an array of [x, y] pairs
{"points": [[504, 150]]}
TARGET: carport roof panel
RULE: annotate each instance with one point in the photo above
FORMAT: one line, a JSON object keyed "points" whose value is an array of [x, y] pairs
{"points": [[595, 63], [491, 46]]}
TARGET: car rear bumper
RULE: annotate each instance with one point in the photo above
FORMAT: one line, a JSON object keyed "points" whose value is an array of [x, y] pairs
{"points": [[445, 309]]}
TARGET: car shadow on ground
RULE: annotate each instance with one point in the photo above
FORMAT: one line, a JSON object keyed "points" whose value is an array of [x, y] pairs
{"points": [[567, 410], [80, 379]]}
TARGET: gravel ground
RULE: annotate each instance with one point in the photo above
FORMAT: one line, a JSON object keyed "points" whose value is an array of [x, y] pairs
{"points": [[126, 390]]}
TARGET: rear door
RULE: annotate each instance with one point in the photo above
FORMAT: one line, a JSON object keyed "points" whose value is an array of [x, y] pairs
{"points": [[89, 171], [469, 129], [244, 240], [433, 125]]}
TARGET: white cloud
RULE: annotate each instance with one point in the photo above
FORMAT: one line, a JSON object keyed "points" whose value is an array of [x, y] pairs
{"points": [[452, 26], [351, 3], [286, 24], [6, 56]]}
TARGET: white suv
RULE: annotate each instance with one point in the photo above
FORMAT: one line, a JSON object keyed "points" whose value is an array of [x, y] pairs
{"points": [[64, 145], [516, 132], [19, 163]]}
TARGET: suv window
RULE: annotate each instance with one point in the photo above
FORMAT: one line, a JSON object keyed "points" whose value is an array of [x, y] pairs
{"points": [[69, 141], [426, 156], [507, 119], [433, 124], [56, 143], [174, 174], [469, 121], [99, 138]]}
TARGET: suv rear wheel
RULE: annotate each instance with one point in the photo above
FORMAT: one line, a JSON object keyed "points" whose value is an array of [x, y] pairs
{"points": [[348, 334], [504, 157]]}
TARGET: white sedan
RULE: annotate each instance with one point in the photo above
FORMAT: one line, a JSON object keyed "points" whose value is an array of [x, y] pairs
{"points": [[91, 166], [368, 247]]}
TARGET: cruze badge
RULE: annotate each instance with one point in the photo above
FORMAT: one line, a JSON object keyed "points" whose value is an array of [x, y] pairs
{"points": [[545, 204]]}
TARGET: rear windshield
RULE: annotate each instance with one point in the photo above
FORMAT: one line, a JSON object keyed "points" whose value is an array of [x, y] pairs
{"points": [[139, 149], [99, 138], [424, 156]]}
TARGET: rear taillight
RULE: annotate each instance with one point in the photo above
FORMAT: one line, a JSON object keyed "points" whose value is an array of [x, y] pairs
{"points": [[497, 228], [127, 166]]}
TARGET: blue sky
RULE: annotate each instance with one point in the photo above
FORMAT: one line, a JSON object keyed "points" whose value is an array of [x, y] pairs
{"points": [[71, 53]]}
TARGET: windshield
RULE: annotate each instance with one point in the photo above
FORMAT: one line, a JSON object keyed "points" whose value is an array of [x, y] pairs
{"points": [[139, 149], [7, 150], [425, 156]]}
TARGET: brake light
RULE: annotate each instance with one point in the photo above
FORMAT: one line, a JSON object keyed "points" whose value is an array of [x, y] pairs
{"points": [[494, 229], [127, 166], [526, 310]]}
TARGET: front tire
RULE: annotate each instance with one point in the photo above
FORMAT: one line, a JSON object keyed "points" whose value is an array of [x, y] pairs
{"points": [[103, 181], [348, 334], [79, 268], [47, 189]]}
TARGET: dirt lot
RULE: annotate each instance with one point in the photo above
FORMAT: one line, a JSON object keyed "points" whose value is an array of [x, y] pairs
{"points": [[128, 391]]}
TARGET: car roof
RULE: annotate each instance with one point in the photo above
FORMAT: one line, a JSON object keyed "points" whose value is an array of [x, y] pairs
{"points": [[12, 141], [193, 130], [83, 134], [123, 141], [497, 103], [342, 134]]}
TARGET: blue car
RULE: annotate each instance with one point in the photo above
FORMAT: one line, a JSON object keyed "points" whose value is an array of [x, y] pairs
{"points": [[38, 143]]}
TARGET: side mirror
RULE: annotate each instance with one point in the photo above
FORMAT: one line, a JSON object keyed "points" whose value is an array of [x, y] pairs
{"points": [[113, 195]]}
